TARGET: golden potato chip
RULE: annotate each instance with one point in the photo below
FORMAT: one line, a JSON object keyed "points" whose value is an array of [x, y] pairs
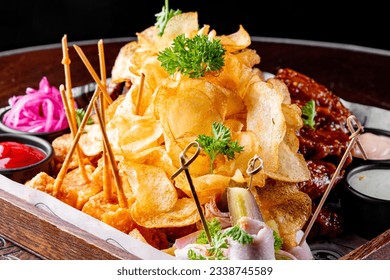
{"points": [[191, 113], [148, 38], [287, 206], [235, 76], [153, 190], [292, 166], [236, 41], [281, 87], [111, 109], [248, 58], [185, 23], [120, 71], [156, 156], [140, 133], [131, 133], [207, 186], [265, 118], [292, 114], [183, 213], [175, 147], [91, 141], [250, 142]]}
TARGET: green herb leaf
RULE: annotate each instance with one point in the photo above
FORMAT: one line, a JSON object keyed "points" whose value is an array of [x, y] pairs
{"points": [[164, 16], [239, 235], [193, 57], [309, 112], [80, 113], [219, 240], [214, 227], [219, 143], [278, 241]]}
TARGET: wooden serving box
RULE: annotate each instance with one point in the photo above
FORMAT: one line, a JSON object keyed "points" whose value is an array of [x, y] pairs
{"points": [[31, 229]]}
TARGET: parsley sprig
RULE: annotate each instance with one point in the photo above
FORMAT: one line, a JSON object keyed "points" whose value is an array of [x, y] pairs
{"points": [[219, 143], [309, 112], [219, 240], [193, 56], [164, 16]]}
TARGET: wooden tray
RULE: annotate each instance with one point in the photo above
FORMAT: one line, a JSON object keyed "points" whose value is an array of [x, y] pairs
{"points": [[355, 74]]}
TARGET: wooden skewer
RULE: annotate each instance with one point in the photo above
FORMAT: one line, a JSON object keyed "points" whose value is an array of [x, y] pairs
{"points": [[103, 75], [185, 162], [93, 73], [68, 102], [120, 192], [354, 139], [64, 168], [107, 190], [139, 95]]}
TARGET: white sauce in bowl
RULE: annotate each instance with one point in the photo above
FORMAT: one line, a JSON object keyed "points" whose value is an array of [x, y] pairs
{"points": [[372, 182]]}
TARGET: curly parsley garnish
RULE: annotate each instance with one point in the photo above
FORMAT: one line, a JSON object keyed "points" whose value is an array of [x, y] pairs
{"points": [[164, 16], [219, 143], [309, 112], [193, 56], [219, 241]]}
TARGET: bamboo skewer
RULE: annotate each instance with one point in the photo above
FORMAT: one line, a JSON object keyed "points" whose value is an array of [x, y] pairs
{"points": [[185, 162], [68, 101], [354, 140], [107, 190], [93, 73], [120, 192], [64, 168]]}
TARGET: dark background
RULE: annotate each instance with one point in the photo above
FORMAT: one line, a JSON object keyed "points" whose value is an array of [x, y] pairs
{"points": [[31, 23]]}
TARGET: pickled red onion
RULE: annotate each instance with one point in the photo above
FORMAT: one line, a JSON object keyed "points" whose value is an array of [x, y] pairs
{"points": [[39, 110]]}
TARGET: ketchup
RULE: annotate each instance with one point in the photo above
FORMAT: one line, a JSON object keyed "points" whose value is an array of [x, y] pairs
{"points": [[16, 155]]}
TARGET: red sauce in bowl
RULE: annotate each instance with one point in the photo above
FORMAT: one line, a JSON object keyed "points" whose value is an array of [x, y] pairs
{"points": [[17, 155]]}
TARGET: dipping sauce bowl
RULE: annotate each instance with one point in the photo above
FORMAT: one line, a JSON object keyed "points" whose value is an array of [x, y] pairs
{"points": [[365, 199], [24, 156]]}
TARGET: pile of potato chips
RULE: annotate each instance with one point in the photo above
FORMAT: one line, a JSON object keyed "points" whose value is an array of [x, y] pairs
{"points": [[148, 132]]}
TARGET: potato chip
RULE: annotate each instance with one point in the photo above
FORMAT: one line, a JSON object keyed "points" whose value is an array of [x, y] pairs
{"points": [[236, 41], [207, 186], [197, 117], [185, 23], [250, 142], [186, 110], [281, 87], [148, 38], [235, 76], [183, 213], [155, 156], [153, 190], [265, 118], [287, 206], [292, 166], [131, 133], [120, 71], [91, 141], [292, 114]]}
